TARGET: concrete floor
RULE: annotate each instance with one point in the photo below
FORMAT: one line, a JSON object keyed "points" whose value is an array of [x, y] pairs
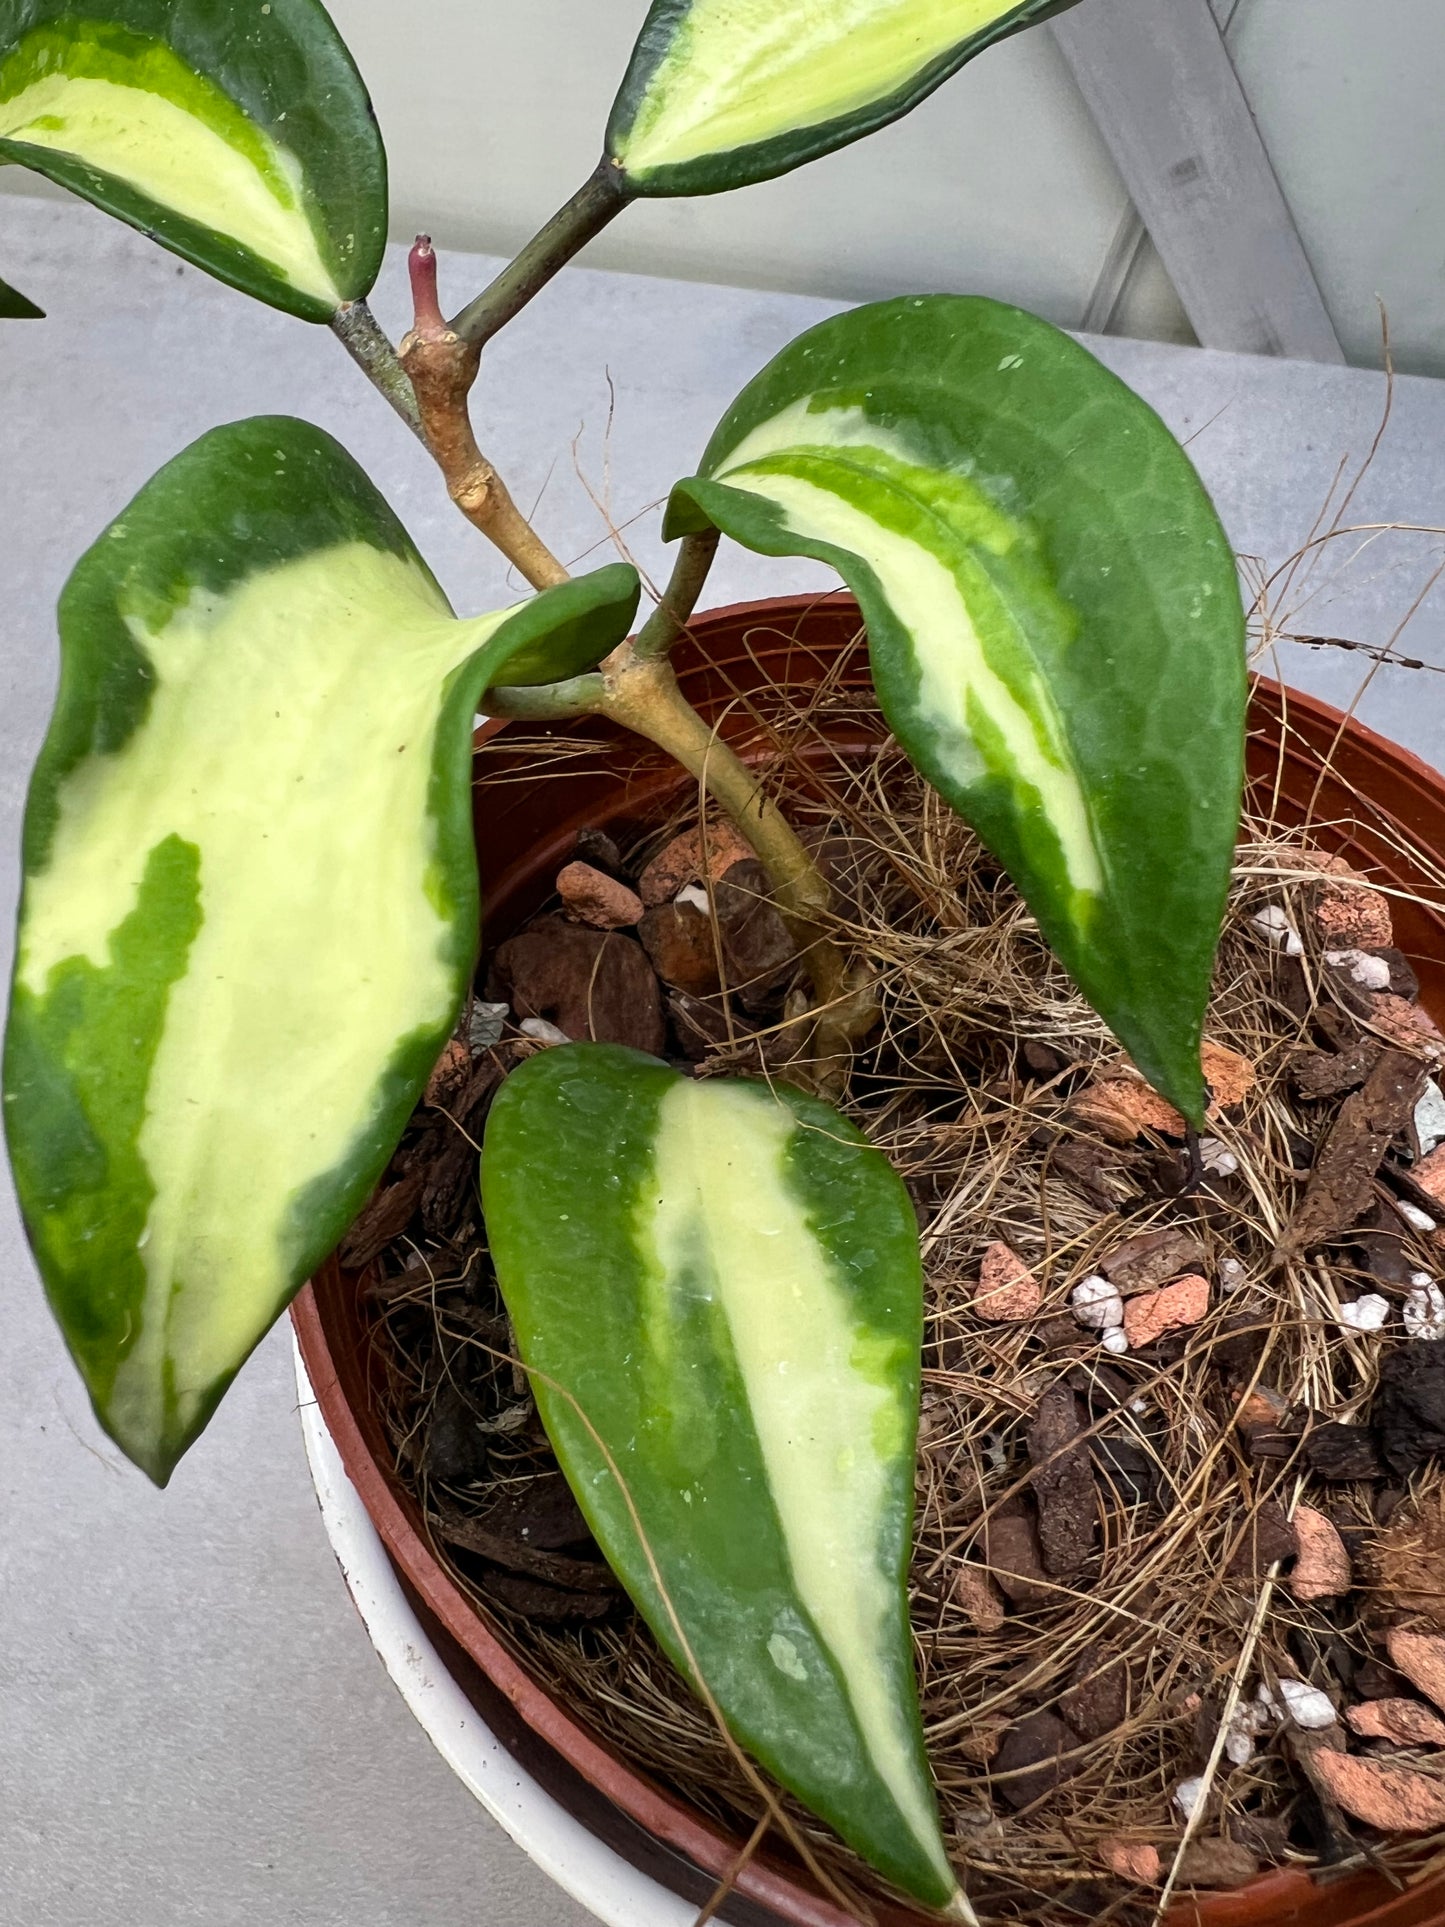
{"points": [[192, 1726]]}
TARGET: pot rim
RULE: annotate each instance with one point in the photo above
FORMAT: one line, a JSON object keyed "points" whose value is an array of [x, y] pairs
{"points": [[1273, 1897]]}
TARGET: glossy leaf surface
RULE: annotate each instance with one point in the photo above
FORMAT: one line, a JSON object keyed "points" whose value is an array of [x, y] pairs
{"points": [[1054, 621], [720, 93], [240, 137], [726, 1281], [250, 903], [15, 306]]}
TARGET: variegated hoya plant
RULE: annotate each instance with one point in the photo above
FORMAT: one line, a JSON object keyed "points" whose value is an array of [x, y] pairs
{"points": [[258, 772]]}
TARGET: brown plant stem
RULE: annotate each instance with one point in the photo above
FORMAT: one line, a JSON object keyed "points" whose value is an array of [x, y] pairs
{"points": [[355, 327], [600, 198], [441, 368]]}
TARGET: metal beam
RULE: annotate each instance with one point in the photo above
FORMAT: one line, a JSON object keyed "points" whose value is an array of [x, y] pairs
{"points": [[1160, 83]]}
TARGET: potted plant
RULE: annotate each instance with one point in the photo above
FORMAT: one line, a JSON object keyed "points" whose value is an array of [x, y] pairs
{"points": [[250, 916]]}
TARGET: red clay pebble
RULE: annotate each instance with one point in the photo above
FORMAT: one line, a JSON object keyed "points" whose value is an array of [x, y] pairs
{"points": [[1421, 1658], [1406, 1722], [1120, 1108], [1228, 1073], [1382, 1794], [1429, 1174], [1148, 1318], [1322, 1570], [589, 896], [1007, 1289], [980, 1599], [683, 861], [1134, 1860]]}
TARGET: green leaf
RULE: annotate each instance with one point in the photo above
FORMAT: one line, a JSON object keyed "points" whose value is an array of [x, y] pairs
{"points": [[239, 136], [1054, 622], [250, 903], [15, 306], [723, 1282], [721, 93]]}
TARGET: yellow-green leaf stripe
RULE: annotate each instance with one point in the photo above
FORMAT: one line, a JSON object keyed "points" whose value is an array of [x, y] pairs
{"points": [[240, 137], [725, 1280], [723, 92], [249, 910], [1054, 620]]}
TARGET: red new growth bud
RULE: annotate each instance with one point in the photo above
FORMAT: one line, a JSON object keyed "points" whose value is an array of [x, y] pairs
{"points": [[422, 267]]}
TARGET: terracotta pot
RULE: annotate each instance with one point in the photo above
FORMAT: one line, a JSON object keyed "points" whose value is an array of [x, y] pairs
{"points": [[1375, 803]]}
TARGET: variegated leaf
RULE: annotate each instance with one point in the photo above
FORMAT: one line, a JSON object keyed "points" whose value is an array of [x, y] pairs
{"points": [[717, 1288], [240, 137], [721, 93], [250, 902], [1054, 621]]}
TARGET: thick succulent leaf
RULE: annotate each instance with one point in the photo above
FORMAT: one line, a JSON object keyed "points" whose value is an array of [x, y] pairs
{"points": [[240, 137], [724, 1282], [250, 904], [1054, 621], [14, 306], [720, 93]]}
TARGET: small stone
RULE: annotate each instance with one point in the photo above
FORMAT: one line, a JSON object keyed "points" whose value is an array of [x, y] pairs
{"points": [[1121, 1108], [1007, 1289], [1228, 1073], [1421, 1658], [1322, 1569], [1371, 973], [1430, 1122], [1381, 1794], [1097, 1303], [593, 984], [541, 1032], [1152, 1258], [1368, 1314], [485, 1024], [1273, 923], [1306, 1705], [1404, 1722], [1216, 1863], [1216, 1158], [979, 1598], [1188, 1794], [1232, 1273], [591, 897], [1417, 1219], [693, 857], [1424, 1312], [1134, 1860], [1147, 1318], [1030, 1763], [683, 947], [1116, 1341]]}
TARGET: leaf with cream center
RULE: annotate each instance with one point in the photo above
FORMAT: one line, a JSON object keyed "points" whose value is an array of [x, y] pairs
{"points": [[250, 903], [722, 1282], [1054, 622], [720, 93], [241, 138]]}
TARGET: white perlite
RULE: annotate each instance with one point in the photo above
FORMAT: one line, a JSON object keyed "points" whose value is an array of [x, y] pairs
{"points": [[1429, 1128], [1425, 1308], [1273, 922], [1417, 1219], [1216, 1158], [1371, 973], [1306, 1705], [1115, 1341], [1187, 1796], [541, 1032], [1097, 1303], [1231, 1273], [1367, 1314]]}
